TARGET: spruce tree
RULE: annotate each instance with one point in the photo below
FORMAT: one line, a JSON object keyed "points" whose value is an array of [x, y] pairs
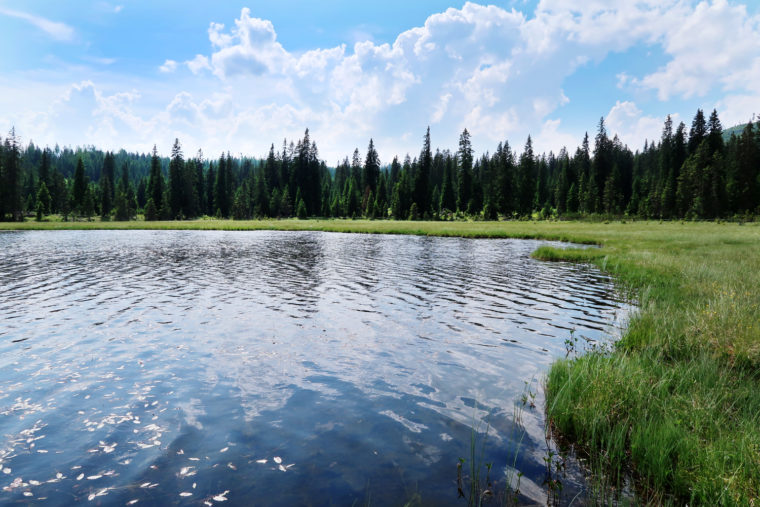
{"points": [[422, 177], [371, 172], [176, 188], [106, 203], [715, 135], [526, 180], [43, 200], [80, 187], [221, 199], [44, 172], [698, 131], [448, 199], [155, 180], [11, 180], [108, 171], [464, 175]]}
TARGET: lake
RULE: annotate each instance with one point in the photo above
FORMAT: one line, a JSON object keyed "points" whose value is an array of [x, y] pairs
{"points": [[279, 368]]}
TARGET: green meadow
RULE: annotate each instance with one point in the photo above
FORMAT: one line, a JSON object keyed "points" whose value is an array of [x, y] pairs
{"points": [[675, 404]]}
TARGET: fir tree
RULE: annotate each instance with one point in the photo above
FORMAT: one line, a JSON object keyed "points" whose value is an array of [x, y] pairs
{"points": [[43, 200], [371, 172], [156, 180], [422, 177], [80, 187], [464, 175], [176, 190]]}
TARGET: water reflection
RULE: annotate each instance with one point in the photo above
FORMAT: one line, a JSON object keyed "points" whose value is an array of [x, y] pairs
{"points": [[273, 368]]}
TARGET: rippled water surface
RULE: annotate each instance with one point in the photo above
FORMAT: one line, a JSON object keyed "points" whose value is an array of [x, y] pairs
{"points": [[276, 368]]}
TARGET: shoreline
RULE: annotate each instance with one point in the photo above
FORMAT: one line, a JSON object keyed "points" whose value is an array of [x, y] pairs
{"points": [[677, 399]]}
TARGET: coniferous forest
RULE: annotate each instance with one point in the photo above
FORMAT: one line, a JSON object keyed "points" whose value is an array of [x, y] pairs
{"points": [[696, 172]]}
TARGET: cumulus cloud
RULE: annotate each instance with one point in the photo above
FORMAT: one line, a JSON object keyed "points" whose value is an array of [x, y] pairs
{"points": [[715, 44], [497, 72], [198, 64], [168, 66], [630, 124]]}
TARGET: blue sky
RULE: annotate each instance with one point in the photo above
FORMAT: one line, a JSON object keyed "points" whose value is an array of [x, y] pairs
{"points": [[231, 75]]}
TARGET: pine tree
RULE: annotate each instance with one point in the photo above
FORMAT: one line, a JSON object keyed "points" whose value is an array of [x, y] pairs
{"points": [[108, 171], [715, 135], [448, 199], [301, 210], [698, 131], [176, 190], [371, 172], [464, 175], [239, 205], [526, 179], [156, 180], [11, 180], [80, 187], [422, 177], [43, 200], [221, 199], [261, 197], [106, 189], [44, 172], [151, 212]]}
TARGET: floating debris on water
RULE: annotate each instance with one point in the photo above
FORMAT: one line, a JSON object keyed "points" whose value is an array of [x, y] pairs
{"points": [[221, 497]]}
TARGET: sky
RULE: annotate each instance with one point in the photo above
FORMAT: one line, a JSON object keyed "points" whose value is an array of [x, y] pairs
{"points": [[238, 76]]}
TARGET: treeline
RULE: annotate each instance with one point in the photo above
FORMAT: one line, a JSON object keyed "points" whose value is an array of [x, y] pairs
{"points": [[688, 173]]}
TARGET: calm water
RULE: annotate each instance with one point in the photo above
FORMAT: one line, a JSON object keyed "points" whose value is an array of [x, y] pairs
{"points": [[276, 368]]}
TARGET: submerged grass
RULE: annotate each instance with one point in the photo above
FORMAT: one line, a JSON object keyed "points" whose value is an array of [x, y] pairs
{"points": [[675, 403]]}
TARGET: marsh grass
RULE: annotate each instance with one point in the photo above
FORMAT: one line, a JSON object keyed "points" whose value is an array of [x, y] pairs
{"points": [[676, 403]]}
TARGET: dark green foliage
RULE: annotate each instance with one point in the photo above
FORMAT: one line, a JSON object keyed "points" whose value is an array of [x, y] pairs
{"points": [[240, 205], [221, 187], [526, 179], [43, 200], [699, 174], [422, 176], [80, 188], [176, 185], [464, 174], [371, 172], [106, 201], [121, 207], [156, 180], [10, 175], [151, 212], [301, 210], [44, 173]]}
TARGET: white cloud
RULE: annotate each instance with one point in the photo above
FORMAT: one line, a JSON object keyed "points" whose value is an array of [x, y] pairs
{"points": [[168, 66], [632, 127], [198, 64], [738, 109], [550, 138], [55, 29], [715, 44], [496, 72]]}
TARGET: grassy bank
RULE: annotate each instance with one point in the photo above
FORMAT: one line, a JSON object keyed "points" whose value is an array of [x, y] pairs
{"points": [[677, 402]]}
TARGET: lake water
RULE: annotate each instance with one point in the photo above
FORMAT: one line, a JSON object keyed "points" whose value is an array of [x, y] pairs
{"points": [[278, 368]]}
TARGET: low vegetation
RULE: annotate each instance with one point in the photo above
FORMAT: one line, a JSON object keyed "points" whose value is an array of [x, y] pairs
{"points": [[676, 403]]}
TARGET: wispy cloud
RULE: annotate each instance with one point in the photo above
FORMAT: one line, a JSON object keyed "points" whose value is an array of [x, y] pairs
{"points": [[57, 30]]}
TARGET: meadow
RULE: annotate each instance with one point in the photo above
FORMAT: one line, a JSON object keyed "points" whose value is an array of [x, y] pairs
{"points": [[675, 404]]}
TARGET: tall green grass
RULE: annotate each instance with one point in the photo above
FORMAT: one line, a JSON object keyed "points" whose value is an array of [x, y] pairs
{"points": [[676, 403]]}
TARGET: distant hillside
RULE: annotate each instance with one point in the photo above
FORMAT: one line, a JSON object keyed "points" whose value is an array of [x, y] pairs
{"points": [[736, 129]]}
